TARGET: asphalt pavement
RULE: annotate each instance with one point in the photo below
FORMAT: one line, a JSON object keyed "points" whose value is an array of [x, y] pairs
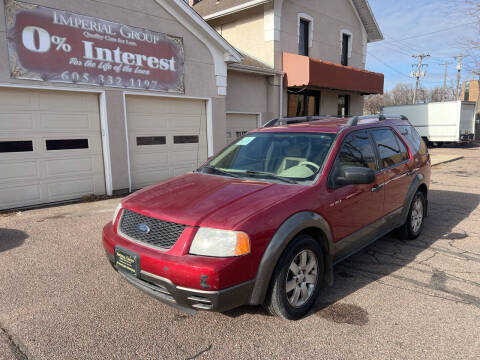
{"points": [[60, 299]]}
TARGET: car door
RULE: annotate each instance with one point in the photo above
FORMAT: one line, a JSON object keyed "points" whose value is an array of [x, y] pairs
{"points": [[356, 206], [396, 164]]}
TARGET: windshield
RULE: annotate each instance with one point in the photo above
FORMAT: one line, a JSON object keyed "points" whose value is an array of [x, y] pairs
{"points": [[285, 157]]}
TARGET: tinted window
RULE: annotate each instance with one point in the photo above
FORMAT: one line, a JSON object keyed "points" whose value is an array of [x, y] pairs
{"points": [[15, 146], [389, 148], [412, 136], [357, 150], [151, 140], [67, 144], [185, 139]]}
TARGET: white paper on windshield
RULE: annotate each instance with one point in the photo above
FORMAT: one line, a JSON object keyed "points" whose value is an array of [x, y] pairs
{"points": [[245, 141]]}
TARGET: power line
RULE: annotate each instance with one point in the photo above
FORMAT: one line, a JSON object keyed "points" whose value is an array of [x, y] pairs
{"points": [[397, 71], [426, 34]]}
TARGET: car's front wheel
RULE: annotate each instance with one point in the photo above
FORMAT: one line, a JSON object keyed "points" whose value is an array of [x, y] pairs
{"points": [[297, 279]]}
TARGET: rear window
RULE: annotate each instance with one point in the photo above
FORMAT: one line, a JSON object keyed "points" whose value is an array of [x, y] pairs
{"points": [[412, 136]]}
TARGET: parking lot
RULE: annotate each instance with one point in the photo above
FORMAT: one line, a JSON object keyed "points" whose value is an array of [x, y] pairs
{"points": [[60, 299]]}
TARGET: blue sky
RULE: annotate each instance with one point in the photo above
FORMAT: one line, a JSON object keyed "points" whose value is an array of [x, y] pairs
{"points": [[439, 27]]}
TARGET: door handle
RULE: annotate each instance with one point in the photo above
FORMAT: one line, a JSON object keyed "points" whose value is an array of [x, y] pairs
{"points": [[377, 188]]}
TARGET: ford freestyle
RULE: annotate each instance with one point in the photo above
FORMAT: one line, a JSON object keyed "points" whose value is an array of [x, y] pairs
{"points": [[266, 219]]}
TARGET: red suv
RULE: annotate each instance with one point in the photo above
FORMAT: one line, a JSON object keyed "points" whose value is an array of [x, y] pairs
{"points": [[265, 220]]}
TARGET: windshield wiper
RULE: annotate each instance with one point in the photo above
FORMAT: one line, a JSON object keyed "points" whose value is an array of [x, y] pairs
{"points": [[270, 175], [218, 171]]}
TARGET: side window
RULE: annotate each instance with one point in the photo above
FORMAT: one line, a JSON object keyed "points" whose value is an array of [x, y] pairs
{"points": [[357, 150], [390, 148], [414, 138]]}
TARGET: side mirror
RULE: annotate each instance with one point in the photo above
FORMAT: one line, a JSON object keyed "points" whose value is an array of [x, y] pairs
{"points": [[350, 175]]}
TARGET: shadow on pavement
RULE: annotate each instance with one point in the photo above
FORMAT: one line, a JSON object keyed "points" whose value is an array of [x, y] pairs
{"points": [[11, 238], [389, 254]]}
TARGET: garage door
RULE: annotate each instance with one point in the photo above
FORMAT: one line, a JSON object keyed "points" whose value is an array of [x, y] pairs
{"points": [[50, 147], [167, 137], [240, 124]]}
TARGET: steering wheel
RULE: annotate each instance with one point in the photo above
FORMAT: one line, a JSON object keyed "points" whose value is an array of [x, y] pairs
{"points": [[311, 165]]}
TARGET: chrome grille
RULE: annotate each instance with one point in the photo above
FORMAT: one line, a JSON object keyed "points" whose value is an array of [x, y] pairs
{"points": [[162, 234]]}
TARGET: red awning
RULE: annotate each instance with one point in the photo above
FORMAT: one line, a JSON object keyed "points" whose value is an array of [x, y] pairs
{"points": [[305, 71]]}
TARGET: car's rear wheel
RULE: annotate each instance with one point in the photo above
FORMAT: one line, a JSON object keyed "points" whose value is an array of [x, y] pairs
{"points": [[297, 279], [415, 219]]}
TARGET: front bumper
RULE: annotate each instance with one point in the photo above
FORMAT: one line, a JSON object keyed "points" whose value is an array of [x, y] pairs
{"points": [[186, 299]]}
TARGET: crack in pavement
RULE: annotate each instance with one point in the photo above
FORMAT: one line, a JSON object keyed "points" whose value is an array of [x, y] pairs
{"points": [[200, 353], [14, 347]]}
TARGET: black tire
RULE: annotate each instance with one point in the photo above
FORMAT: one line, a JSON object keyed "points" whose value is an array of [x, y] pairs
{"points": [[410, 230], [277, 301]]}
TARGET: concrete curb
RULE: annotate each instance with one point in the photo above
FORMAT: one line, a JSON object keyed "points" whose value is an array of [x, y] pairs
{"points": [[448, 160]]}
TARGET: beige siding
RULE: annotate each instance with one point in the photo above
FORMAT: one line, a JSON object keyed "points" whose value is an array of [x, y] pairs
{"points": [[330, 18], [245, 31]]}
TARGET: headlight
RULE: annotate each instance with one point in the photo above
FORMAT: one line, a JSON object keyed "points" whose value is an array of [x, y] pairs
{"points": [[115, 214], [220, 243]]}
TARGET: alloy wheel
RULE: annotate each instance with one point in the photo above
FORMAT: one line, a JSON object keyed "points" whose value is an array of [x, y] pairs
{"points": [[301, 278]]}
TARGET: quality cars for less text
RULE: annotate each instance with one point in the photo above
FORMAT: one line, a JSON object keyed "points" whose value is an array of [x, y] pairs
{"points": [[265, 220]]}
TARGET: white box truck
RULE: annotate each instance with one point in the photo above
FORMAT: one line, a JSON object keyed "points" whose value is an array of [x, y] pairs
{"points": [[439, 122]]}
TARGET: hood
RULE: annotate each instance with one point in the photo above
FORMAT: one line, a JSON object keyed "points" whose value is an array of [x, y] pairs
{"points": [[207, 200]]}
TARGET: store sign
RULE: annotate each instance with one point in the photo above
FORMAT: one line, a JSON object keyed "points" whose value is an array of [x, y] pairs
{"points": [[58, 46]]}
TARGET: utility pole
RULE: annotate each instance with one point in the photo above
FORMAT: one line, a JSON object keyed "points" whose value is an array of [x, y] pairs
{"points": [[459, 59], [418, 73], [444, 91]]}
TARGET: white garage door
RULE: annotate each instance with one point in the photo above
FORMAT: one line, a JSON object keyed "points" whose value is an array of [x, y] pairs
{"points": [[167, 137], [240, 124], [50, 147]]}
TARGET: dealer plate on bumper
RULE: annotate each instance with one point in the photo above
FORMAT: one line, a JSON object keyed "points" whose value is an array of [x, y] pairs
{"points": [[127, 261]]}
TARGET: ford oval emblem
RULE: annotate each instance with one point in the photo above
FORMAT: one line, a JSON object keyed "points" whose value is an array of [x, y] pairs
{"points": [[143, 228]]}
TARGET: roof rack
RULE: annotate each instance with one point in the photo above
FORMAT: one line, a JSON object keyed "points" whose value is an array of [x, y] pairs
{"points": [[381, 117], [297, 120]]}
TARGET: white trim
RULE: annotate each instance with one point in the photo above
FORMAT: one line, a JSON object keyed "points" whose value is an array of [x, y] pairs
{"points": [[107, 159], [235, 9], [107, 165], [350, 42], [209, 105], [272, 21], [127, 141], [209, 113], [259, 115], [303, 16]]}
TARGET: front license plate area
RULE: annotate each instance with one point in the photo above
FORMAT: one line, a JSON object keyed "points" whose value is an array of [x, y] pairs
{"points": [[127, 261]]}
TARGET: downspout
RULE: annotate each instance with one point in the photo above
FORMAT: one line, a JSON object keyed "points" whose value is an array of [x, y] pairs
{"points": [[280, 113]]}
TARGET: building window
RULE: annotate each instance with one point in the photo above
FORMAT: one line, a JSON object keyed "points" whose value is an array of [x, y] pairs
{"points": [[16, 146], [345, 46], [151, 140], [67, 144], [303, 103], [467, 91], [303, 39], [185, 139], [343, 105]]}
